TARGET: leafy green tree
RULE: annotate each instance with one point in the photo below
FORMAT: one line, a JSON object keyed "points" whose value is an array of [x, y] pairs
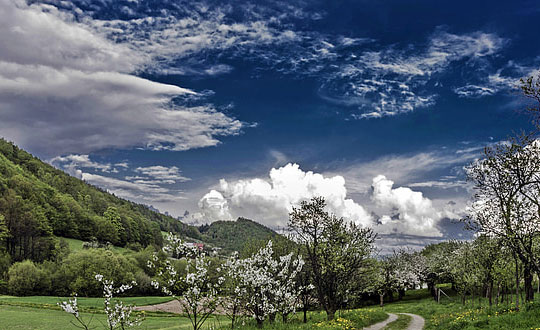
{"points": [[25, 278], [336, 250]]}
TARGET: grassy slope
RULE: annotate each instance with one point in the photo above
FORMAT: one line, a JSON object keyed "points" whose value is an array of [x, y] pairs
{"points": [[75, 245], [451, 314]]}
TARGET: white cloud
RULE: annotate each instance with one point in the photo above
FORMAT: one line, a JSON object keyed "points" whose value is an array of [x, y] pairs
{"points": [[72, 164], [77, 93], [152, 186], [504, 79], [408, 169], [411, 212], [391, 81], [269, 201], [162, 173], [143, 192]]}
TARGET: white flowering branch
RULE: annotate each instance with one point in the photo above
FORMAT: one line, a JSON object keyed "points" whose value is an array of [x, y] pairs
{"points": [[118, 315], [195, 291], [72, 308]]}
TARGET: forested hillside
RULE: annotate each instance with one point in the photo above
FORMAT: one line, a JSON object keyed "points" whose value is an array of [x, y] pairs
{"points": [[233, 235], [39, 203]]}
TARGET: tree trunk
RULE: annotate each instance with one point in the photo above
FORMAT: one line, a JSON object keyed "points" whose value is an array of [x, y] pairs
{"points": [[490, 293], [284, 317], [528, 277], [401, 294], [381, 299], [517, 284], [272, 317], [305, 313], [259, 323], [330, 314], [498, 294]]}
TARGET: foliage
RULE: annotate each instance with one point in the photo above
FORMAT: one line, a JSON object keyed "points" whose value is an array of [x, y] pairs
{"points": [[507, 200], [336, 251], [194, 290], [265, 284], [38, 202], [24, 278], [225, 234]]}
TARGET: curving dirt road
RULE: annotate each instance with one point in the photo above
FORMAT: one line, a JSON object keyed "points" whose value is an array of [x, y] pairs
{"points": [[417, 322], [380, 325]]}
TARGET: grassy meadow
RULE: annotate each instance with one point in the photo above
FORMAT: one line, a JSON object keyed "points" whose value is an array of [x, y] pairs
{"points": [[41, 312]]}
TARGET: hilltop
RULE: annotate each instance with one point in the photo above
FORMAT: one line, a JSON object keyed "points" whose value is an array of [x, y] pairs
{"points": [[39, 203]]}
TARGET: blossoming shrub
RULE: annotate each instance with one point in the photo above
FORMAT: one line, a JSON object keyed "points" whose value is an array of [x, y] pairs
{"points": [[195, 290]]}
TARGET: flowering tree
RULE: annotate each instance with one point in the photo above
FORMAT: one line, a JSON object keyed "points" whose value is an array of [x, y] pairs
{"points": [[195, 291], [288, 292], [507, 200], [409, 271], [72, 308], [232, 289], [118, 315], [265, 284]]}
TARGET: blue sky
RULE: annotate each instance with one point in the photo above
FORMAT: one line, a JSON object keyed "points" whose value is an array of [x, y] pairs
{"points": [[245, 108]]}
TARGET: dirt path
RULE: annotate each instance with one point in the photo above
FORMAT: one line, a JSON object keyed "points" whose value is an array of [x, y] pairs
{"points": [[380, 325], [172, 306], [417, 322]]}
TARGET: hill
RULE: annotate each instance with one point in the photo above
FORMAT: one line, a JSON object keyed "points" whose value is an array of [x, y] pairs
{"points": [[39, 203], [233, 235]]}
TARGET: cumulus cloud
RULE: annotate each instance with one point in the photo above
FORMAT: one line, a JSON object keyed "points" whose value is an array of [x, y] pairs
{"points": [[411, 211], [269, 201], [78, 94], [398, 210]]}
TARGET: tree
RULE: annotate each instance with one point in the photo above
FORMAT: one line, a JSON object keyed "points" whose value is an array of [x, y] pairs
{"points": [[335, 248], [195, 290], [530, 87], [507, 200]]}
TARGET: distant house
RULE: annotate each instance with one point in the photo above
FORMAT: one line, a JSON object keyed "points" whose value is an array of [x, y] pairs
{"points": [[199, 246]]}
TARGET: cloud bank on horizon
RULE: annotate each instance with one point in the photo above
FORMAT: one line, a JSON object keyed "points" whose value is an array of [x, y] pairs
{"points": [[398, 210]]}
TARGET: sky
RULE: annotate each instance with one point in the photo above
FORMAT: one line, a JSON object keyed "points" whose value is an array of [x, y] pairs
{"points": [[212, 110]]}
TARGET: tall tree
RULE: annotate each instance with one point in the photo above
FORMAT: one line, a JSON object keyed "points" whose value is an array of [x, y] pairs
{"points": [[507, 200], [336, 250]]}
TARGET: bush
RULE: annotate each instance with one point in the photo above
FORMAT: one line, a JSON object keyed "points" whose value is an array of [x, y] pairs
{"points": [[79, 269], [25, 278]]}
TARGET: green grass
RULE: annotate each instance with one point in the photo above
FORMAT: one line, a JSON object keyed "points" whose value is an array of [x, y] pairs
{"points": [[25, 318], [450, 314], [401, 323], [353, 319], [76, 245], [84, 303]]}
